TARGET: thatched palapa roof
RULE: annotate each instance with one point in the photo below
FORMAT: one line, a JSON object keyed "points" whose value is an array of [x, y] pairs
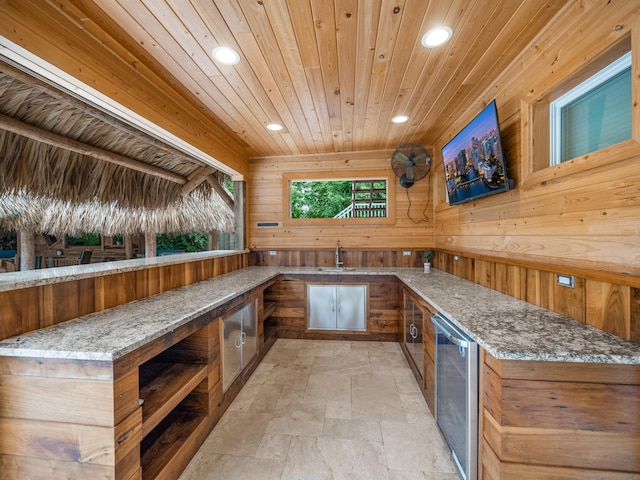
{"points": [[67, 167]]}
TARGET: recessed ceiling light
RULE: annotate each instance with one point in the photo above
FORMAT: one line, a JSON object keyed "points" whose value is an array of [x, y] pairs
{"points": [[274, 127], [225, 55], [399, 119], [436, 36]]}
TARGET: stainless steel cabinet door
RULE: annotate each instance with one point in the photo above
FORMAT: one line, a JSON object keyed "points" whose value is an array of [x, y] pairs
{"points": [[249, 336], [239, 342], [231, 348], [351, 307], [322, 307], [337, 307], [413, 333]]}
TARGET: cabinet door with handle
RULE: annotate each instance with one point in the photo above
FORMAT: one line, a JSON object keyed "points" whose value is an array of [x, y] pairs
{"points": [[351, 306], [322, 307], [231, 348]]}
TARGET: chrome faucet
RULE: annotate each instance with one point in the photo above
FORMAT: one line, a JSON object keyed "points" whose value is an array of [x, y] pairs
{"points": [[338, 262]]}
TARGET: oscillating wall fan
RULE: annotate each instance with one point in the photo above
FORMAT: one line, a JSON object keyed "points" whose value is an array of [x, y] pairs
{"points": [[410, 162]]}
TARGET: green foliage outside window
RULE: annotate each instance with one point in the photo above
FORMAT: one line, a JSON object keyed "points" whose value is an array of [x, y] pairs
{"points": [[87, 239], [319, 199], [191, 242]]}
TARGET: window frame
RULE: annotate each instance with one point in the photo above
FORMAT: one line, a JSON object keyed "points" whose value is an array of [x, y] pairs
{"points": [[535, 168], [555, 113], [356, 175]]}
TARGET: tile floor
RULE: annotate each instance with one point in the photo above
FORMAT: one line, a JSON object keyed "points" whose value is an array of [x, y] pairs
{"points": [[322, 410]]}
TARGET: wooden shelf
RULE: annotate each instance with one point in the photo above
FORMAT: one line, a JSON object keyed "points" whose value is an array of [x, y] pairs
{"points": [[269, 308], [163, 386], [166, 443]]}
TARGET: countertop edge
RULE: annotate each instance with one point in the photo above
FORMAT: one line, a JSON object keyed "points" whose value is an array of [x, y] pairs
{"points": [[413, 278]]}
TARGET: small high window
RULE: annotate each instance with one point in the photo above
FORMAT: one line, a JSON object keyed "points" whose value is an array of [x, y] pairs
{"points": [[594, 115]]}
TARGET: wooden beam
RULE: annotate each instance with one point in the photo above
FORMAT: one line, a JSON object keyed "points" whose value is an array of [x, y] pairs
{"points": [[196, 178], [239, 214], [24, 129], [223, 192]]}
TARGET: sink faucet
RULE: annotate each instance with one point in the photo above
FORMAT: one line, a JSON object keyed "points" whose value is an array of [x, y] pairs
{"points": [[338, 262]]}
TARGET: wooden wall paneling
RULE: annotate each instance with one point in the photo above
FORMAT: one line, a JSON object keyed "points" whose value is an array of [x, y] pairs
{"points": [[265, 205], [568, 301], [172, 276], [19, 312], [87, 296], [484, 272], [114, 290], [608, 307], [510, 279], [464, 267], [59, 302], [635, 315]]}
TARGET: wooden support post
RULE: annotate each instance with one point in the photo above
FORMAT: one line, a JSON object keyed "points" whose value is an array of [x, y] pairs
{"points": [[214, 240], [150, 244], [128, 246], [239, 213], [27, 250]]}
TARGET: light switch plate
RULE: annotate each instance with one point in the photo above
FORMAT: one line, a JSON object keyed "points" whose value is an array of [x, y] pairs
{"points": [[406, 253], [272, 253]]}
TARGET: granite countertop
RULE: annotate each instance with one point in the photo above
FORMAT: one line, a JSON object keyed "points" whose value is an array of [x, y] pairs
{"points": [[47, 276], [507, 328], [111, 334]]}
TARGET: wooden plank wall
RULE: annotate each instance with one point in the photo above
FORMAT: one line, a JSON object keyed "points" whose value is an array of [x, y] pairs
{"points": [[327, 258], [265, 204], [32, 308], [575, 214]]}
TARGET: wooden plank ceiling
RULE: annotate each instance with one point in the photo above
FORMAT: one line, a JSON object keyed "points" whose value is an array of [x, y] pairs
{"points": [[333, 73]]}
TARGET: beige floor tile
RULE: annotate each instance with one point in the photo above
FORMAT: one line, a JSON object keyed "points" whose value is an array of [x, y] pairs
{"points": [[298, 417], [416, 409], [334, 410], [380, 388], [231, 467], [274, 446], [337, 409], [405, 380], [416, 447], [329, 387], [335, 459], [368, 430], [338, 366], [405, 475], [237, 433]]}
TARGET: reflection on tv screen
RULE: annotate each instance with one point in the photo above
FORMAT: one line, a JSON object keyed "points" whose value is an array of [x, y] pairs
{"points": [[474, 163]]}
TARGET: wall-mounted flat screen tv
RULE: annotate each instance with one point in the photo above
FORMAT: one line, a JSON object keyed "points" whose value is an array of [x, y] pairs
{"points": [[474, 164]]}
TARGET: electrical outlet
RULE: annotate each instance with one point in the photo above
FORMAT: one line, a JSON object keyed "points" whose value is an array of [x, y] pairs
{"points": [[406, 253], [565, 280], [272, 253]]}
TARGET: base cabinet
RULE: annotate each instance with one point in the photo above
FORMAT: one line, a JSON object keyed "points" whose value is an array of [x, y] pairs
{"points": [[542, 420], [337, 307]]}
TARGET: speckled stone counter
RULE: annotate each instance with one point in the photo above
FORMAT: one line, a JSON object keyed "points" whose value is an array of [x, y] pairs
{"points": [[47, 276], [507, 328], [110, 334]]}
